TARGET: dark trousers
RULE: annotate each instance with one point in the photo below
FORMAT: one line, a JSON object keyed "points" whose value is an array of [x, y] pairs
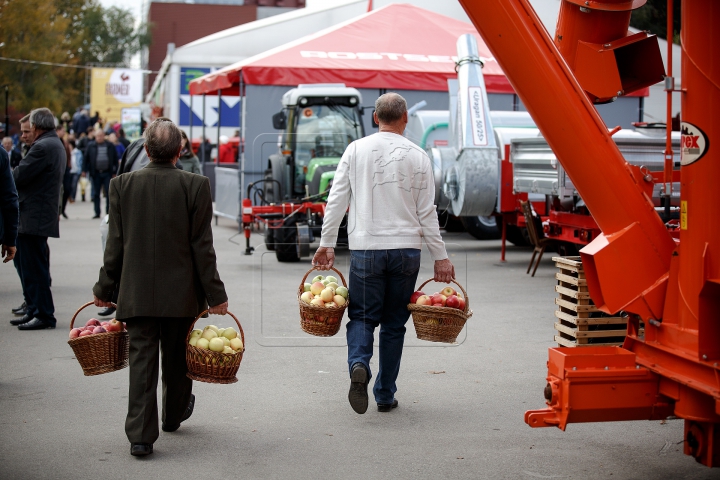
{"points": [[101, 181], [18, 268], [35, 274], [148, 337], [67, 188]]}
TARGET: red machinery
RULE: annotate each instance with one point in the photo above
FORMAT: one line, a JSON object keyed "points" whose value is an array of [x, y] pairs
{"points": [[634, 265]]}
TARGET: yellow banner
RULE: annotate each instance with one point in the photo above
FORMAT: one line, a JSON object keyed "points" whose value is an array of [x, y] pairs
{"points": [[113, 89]]}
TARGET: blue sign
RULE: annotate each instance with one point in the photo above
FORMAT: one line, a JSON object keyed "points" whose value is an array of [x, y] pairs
{"points": [[229, 106]]}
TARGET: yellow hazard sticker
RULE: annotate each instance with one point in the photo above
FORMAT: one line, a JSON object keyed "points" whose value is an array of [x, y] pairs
{"points": [[683, 215]]}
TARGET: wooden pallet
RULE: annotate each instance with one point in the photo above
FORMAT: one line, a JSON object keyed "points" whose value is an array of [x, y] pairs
{"points": [[579, 322]]}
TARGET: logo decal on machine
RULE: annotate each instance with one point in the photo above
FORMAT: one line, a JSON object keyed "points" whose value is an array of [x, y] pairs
{"points": [[693, 144]]}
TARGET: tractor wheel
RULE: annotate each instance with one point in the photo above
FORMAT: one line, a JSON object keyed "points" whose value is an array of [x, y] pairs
{"points": [[273, 189], [482, 228], [286, 241], [518, 236], [269, 239]]}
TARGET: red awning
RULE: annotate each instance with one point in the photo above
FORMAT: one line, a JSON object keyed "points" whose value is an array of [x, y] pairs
{"points": [[399, 47]]}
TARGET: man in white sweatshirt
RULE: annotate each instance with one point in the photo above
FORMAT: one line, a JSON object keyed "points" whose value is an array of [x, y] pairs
{"points": [[387, 182]]}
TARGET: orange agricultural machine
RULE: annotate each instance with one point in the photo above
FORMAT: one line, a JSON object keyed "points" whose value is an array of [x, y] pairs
{"points": [[671, 287]]}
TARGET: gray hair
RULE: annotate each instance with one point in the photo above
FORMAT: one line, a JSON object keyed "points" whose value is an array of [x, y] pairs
{"points": [[162, 141], [42, 119], [390, 107], [6, 140]]}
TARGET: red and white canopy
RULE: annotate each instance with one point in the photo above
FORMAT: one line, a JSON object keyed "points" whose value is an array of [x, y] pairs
{"points": [[399, 47]]}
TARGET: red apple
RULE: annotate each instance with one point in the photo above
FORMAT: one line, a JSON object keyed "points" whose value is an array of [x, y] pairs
{"points": [[423, 300], [447, 291], [92, 322], [102, 324], [85, 333], [438, 305], [415, 296], [453, 302], [114, 326], [439, 298], [99, 329], [75, 333], [462, 303]]}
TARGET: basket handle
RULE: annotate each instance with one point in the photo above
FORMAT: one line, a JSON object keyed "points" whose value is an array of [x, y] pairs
{"points": [[242, 333], [465, 295], [72, 322], [302, 282]]}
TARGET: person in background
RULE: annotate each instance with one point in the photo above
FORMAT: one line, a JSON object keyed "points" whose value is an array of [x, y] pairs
{"points": [[122, 138], [27, 137], [13, 154], [188, 160], [67, 179], [387, 182], [119, 147], [81, 122], [226, 154], [205, 151], [159, 205], [75, 169], [101, 163], [9, 210], [38, 179]]}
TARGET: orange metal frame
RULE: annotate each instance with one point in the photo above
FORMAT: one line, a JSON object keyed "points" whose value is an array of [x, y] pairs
{"points": [[634, 265]]}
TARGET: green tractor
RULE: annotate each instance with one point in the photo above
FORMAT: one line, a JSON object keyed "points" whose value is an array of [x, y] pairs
{"points": [[318, 122]]}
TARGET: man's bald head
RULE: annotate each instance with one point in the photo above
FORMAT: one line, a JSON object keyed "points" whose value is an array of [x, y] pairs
{"points": [[162, 141], [7, 143], [390, 108]]}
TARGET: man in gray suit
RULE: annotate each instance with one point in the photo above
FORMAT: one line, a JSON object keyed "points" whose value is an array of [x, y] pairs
{"points": [[160, 256], [38, 179]]}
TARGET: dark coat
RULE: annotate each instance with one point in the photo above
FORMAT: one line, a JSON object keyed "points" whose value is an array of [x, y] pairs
{"points": [[15, 157], [38, 179], [160, 246], [134, 153], [8, 203], [90, 159]]}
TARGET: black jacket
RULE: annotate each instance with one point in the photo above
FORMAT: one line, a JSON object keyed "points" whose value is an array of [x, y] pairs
{"points": [[8, 203], [15, 158], [90, 159], [38, 179]]}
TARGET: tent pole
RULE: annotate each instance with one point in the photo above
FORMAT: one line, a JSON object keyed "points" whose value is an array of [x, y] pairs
{"points": [[202, 140], [241, 146], [217, 156], [191, 122]]}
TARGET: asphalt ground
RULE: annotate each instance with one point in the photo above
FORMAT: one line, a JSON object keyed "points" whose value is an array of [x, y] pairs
{"points": [[461, 407]]}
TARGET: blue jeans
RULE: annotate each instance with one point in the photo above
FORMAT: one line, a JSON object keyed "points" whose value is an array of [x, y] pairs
{"points": [[381, 283], [101, 181]]}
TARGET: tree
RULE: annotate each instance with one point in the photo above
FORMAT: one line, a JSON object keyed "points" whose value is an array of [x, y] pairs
{"points": [[653, 18], [71, 32]]}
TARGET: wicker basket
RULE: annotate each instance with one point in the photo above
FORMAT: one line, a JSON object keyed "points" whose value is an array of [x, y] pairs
{"points": [[320, 321], [439, 324], [101, 352], [213, 367]]}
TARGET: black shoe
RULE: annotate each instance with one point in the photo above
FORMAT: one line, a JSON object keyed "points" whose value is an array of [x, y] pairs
{"points": [[64, 215], [358, 396], [35, 324], [141, 449], [22, 320], [98, 216], [107, 311], [386, 407], [188, 412], [21, 310]]}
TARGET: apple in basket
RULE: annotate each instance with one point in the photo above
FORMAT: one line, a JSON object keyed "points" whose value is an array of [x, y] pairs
{"points": [[93, 322], [415, 296], [114, 325], [453, 302], [342, 291], [317, 302], [85, 333], [229, 333], [99, 329], [327, 295], [316, 288], [307, 297], [339, 300], [216, 345], [75, 332], [448, 291], [330, 305], [236, 344], [438, 300], [306, 287], [424, 300]]}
